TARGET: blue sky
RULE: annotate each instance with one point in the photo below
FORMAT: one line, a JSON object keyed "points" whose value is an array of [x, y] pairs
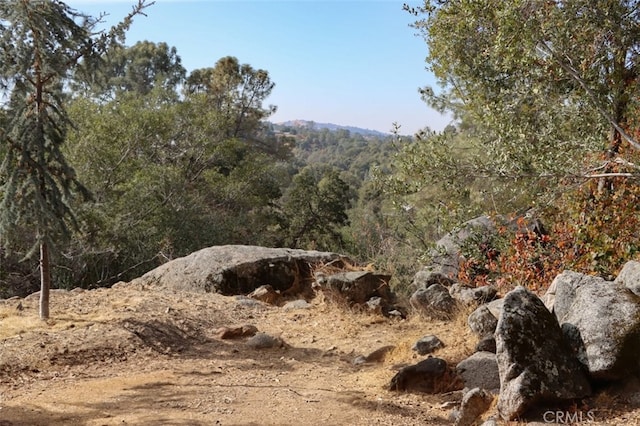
{"points": [[346, 62]]}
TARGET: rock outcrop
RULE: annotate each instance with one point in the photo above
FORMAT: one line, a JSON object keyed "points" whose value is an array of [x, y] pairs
{"points": [[237, 269], [482, 322]]}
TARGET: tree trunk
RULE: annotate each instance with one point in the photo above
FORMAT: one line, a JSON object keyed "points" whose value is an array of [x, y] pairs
{"points": [[45, 281]]}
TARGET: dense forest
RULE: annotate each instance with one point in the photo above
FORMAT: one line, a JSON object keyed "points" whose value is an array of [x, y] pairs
{"points": [[117, 159]]}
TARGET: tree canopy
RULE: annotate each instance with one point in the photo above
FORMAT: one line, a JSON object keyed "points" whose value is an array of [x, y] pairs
{"points": [[544, 82]]}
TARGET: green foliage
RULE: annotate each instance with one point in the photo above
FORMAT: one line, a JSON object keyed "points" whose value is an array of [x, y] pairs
{"points": [[236, 92], [166, 184], [315, 209], [140, 68], [544, 94], [543, 83], [41, 45]]}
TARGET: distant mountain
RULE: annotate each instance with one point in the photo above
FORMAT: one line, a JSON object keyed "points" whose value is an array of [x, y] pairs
{"points": [[330, 126]]}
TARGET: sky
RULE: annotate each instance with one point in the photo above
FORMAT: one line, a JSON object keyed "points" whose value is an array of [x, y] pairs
{"points": [[347, 62]]}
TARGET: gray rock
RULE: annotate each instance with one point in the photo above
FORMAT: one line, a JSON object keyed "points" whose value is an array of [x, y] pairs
{"points": [[355, 287], [427, 277], [431, 375], [601, 320], [296, 304], [565, 286], [446, 257], [629, 277], [480, 370], [427, 344], [482, 322], [231, 270], [434, 302], [473, 295], [474, 403], [486, 344], [535, 361], [495, 307], [265, 341]]}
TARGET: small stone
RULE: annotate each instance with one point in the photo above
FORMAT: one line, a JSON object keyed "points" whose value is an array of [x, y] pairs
{"points": [[427, 345], [265, 341]]}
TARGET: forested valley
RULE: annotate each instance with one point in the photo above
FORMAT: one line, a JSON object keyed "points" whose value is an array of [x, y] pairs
{"points": [[153, 162]]}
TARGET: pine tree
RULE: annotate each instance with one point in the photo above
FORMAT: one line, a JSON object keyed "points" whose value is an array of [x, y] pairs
{"points": [[43, 45]]}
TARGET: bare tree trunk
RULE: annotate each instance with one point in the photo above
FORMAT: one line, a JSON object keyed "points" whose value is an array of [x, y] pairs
{"points": [[45, 281]]}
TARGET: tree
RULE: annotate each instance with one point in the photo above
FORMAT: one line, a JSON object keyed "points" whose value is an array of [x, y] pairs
{"points": [[140, 68], [546, 95], [315, 208], [166, 182], [42, 43], [237, 92], [545, 83]]}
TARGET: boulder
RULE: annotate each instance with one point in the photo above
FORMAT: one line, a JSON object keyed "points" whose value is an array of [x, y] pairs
{"points": [[446, 257], [431, 375], [427, 277], [473, 295], [629, 277], [601, 320], [495, 307], [562, 291], [480, 370], [236, 269], [434, 302], [266, 341], [535, 362], [482, 322]]}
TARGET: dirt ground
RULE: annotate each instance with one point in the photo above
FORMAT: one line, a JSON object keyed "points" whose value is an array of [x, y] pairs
{"points": [[144, 357]]}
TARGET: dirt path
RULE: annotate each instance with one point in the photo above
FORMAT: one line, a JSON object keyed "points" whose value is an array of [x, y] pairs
{"points": [[131, 356]]}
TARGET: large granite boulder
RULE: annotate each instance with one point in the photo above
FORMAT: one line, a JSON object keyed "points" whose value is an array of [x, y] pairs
{"points": [[601, 320], [237, 269], [535, 362]]}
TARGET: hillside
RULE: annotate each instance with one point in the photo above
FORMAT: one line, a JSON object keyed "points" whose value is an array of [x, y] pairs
{"points": [[307, 124]]}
